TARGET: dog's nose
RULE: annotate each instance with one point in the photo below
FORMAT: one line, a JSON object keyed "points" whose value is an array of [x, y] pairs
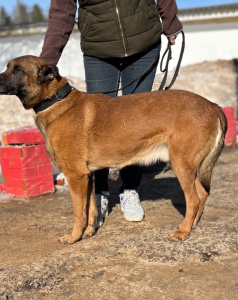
{"points": [[2, 85], [6, 86]]}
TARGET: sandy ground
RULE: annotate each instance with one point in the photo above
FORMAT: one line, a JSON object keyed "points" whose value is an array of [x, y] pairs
{"points": [[124, 260]]}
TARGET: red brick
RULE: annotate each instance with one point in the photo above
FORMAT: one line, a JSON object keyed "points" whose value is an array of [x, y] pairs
{"points": [[31, 193], [45, 169], [14, 191], [13, 173], [23, 151], [48, 188], [34, 193], [41, 149], [10, 152], [28, 162], [35, 183], [39, 189], [28, 151], [28, 135], [31, 183], [35, 150], [7, 163], [31, 172], [18, 169], [231, 135], [11, 163], [11, 183], [43, 159], [29, 187], [27, 170], [4, 167]]}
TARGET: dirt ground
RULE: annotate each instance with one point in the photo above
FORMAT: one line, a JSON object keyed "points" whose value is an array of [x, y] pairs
{"points": [[124, 260]]}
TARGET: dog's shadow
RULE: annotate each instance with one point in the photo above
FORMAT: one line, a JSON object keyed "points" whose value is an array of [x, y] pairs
{"points": [[153, 188]]}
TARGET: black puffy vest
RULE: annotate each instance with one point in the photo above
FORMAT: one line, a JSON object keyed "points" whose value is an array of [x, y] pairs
{"points": [[118, 28]]}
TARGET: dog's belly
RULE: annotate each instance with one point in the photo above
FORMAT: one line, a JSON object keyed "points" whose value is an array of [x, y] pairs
{"points": [[147, 156], [152, 154]]}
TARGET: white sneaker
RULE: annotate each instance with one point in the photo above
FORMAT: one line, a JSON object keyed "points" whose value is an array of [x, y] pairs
{"points": [[102, 206], [131, 206]]}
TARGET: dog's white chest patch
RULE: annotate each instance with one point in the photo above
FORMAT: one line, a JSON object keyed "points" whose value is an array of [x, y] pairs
{"points": [[154, 153]]}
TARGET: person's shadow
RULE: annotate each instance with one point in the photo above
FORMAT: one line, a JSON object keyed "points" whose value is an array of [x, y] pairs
{"points": [[152, 188]]}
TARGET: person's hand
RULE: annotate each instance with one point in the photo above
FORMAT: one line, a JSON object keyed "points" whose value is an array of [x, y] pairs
{"points": [[172, 39]]}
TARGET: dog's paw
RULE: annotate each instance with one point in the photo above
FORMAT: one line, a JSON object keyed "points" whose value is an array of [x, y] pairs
{"points": [[89, 231], [179, 235], [68, 239]]}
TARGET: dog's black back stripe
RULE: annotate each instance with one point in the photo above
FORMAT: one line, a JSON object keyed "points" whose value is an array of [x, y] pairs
{"points": [[60, 95]]}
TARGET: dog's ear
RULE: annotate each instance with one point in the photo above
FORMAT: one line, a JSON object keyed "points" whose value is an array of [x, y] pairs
{"points": [[47, 73]]}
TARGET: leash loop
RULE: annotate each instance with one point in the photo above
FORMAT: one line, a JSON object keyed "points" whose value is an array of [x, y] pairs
{"points": [[166, 68], [169, 57]]}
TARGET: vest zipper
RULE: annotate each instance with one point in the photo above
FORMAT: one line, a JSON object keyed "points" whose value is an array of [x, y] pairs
{"points": [[122, 34]]}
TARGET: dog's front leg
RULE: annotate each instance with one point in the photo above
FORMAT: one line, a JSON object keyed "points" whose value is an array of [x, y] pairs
{"points": [[78, 186], [92, 209]]}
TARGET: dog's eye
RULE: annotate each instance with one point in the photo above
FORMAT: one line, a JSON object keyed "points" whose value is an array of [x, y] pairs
{"points": [[17, 69]]}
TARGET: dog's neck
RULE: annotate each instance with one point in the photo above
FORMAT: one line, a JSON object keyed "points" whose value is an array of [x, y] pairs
{"points": [[62, 93]]}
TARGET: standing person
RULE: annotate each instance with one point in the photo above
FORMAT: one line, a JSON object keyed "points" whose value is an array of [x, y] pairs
{"points": [[120, 39]]}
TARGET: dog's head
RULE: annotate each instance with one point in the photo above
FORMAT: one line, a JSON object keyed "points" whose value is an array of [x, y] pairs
{"points": [[31, 79]]}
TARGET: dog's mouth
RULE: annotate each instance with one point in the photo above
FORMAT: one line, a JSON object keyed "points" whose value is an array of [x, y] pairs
{"points": [[4, 90], [12, 90], [7, 86]]}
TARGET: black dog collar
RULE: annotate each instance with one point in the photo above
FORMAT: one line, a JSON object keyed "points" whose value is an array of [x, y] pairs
{"points": [[60, 95]]}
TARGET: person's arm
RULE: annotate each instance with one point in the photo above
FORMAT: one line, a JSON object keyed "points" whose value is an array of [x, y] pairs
{"points": [[168, 12], [61, 23]]}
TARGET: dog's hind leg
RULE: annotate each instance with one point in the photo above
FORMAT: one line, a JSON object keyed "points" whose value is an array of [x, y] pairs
{"points": [[205, 169], [92, 209], [186, 176], [202, 195], [78, 184]]}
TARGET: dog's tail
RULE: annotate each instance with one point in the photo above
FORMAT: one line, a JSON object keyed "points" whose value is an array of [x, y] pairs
{"points": [[206, 167]]}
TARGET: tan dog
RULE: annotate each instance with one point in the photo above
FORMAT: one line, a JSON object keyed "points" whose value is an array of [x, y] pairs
{"points": [[86, 132]]}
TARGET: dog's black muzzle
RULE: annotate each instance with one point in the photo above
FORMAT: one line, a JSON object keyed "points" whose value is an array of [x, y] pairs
{"points": [[7, 86]]}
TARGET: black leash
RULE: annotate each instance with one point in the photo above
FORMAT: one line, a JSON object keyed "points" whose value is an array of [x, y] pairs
{"points": [[165, 70], [169, 57]]}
